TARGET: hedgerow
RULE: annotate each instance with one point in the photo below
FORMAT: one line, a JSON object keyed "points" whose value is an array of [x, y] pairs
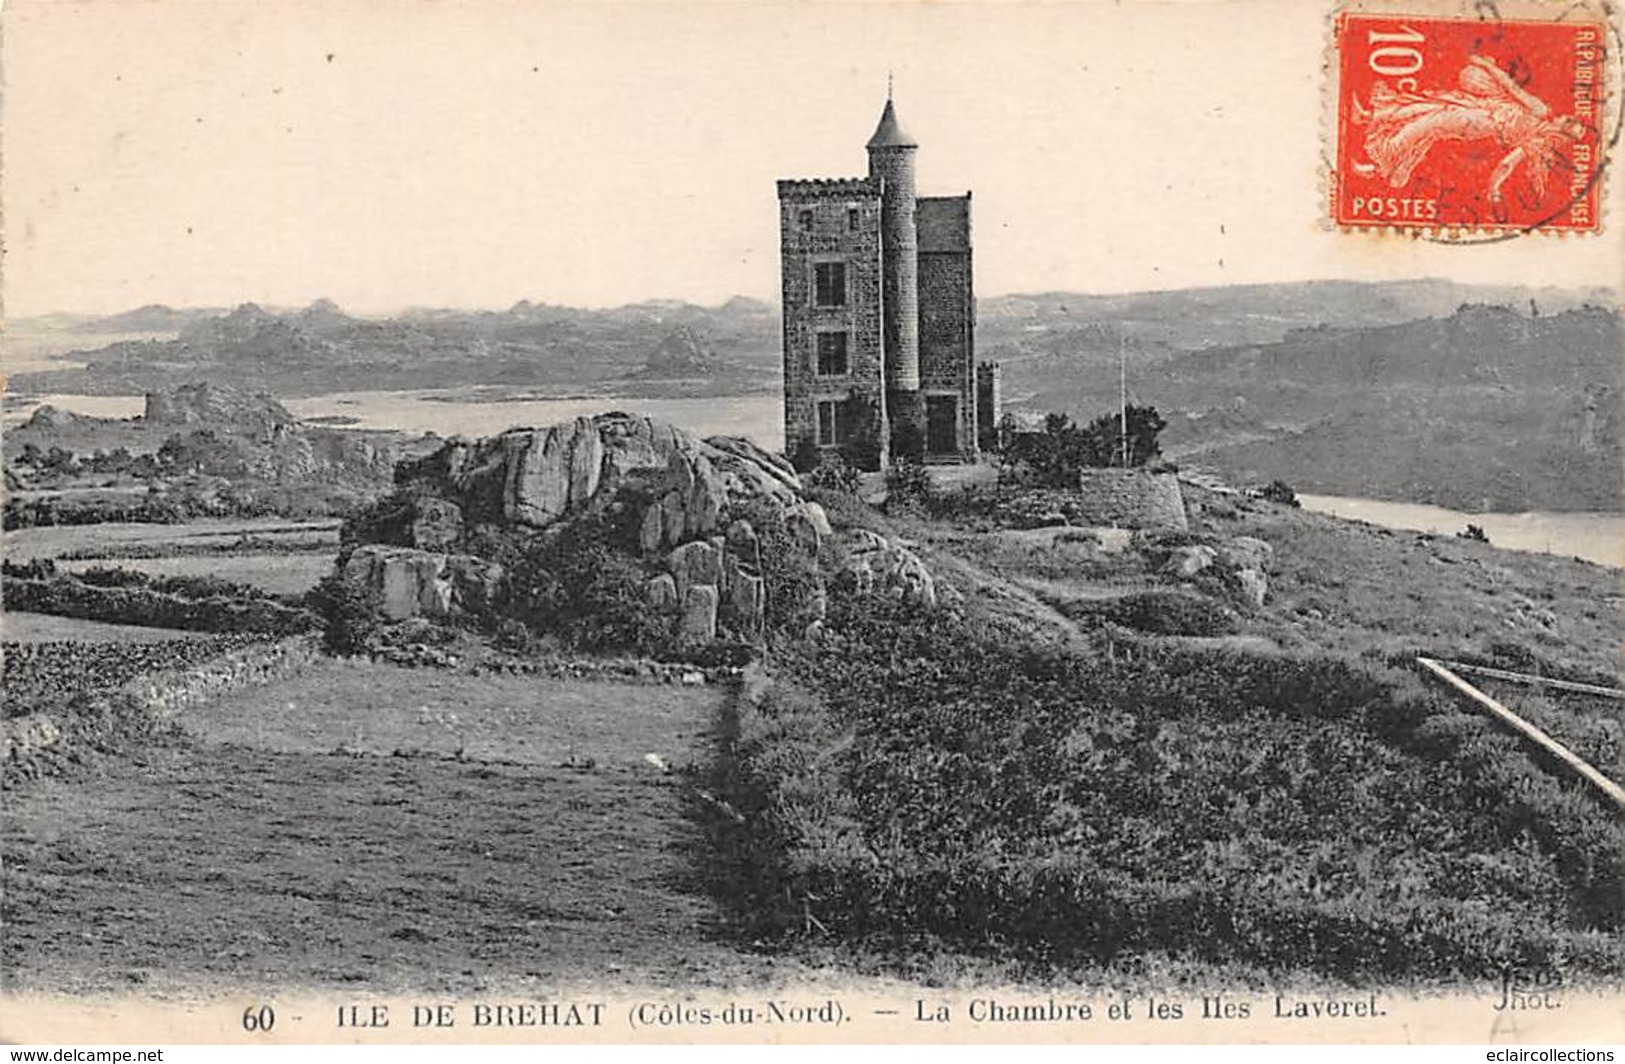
{"points": [[149, 604], [911, 774], [50, 675]]}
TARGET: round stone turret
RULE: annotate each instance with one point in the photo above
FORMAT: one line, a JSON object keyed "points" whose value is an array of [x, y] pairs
{"points": [[891, 160]]}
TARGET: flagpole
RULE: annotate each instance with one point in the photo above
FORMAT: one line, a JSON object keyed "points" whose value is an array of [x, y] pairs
{"points": [[1122, 394]]}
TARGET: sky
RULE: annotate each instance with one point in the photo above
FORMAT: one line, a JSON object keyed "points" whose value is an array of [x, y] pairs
{"points": [[472, 154]]}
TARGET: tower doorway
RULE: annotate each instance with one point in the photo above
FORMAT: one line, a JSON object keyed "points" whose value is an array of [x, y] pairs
{"points": [[942, 424]]}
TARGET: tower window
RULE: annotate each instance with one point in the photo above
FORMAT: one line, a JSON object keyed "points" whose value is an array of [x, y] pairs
{"points": [[830, 282], [854, 220], [832, 354], [806, 221], [829, 422]]}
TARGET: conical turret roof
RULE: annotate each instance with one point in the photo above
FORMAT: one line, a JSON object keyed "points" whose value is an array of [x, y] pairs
{"points": [[890, 133]]}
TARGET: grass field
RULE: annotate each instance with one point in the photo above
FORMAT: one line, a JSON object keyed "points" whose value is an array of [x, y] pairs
{"points": [[251, 854], [282, 574], [1341, 586], [18, 627], [378, 710], [53, 541]]}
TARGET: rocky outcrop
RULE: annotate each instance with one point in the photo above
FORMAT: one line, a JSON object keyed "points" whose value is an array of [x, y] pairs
{"points": [[537, 477], [1239, 563], [681, 353], [877, 564], [685, 506], [48, 418], [216, 405], [698, 624], [1186, 562]]}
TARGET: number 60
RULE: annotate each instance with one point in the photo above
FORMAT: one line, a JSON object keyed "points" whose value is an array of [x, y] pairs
{"points": [[260, 1019]]}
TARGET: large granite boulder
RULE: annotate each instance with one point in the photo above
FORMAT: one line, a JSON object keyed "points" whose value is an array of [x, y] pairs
{"points": [[875, 564], [695, 563], [698, 623], [533, 478], [699, 563], [1246, 552], [419, 583]]}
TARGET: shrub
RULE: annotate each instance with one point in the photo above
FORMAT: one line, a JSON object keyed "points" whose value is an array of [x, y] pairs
{"points": [[580, 583], [790, 575], [1279, 491], [861, 418], [33, 569], [805, 457], [351, 611], [912, 774], [66, 596], [1161, 611], [112, 576], [908, 488], [832, 473], [1055, 457]]}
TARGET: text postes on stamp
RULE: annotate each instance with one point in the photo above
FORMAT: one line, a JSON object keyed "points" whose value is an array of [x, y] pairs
{"points": [[1466, 124]]}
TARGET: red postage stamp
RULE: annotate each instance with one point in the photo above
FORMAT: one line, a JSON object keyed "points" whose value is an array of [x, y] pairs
{"points": [[1468, 124]]}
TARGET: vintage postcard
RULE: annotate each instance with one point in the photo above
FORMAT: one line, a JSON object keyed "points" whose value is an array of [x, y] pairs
{"points": [[799, 522]]}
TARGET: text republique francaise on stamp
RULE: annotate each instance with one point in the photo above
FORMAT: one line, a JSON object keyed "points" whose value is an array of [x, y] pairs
{"points": [[1470, 124]]}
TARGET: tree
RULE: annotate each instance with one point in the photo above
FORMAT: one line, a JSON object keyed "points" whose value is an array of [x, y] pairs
{"points": [[1144, 426], [1058, 454]]}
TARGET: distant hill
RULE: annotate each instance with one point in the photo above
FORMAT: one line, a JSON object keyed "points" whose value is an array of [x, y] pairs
{"points": [[152, 318], [532, 346], [1483, 410], [219, 430], [683, 353], [216, 406], [1196, 318]]}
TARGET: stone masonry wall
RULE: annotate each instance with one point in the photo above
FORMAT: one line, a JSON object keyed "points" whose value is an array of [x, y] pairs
{"points": [[33, 741], [946, 360], [831, 239], [1131, 498]]}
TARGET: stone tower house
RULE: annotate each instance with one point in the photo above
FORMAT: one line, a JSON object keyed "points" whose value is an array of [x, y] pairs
{"points": [[880, 315]]}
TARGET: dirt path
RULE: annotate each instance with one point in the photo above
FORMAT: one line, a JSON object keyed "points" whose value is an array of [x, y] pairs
{"points": [[214, 862]]}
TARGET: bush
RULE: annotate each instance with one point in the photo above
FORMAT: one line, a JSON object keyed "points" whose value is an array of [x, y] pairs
{"points": [[1055, 457], [579, 582], [33, 569], [790, 574], [66, 596], [112, 576], [1280, 491], [1161, 611], [352, 613], [908, 488], [912, 774], [832, 473]]}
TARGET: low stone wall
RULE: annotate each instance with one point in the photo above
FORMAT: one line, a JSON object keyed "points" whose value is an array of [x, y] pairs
{"points": [[34, 743], [66, 596], [619, 670], [1104, 498], [166, 694]]}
